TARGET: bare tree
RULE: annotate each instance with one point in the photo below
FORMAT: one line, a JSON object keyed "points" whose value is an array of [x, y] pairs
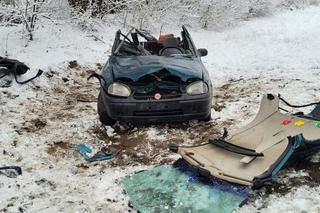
{"points": [[148, 13], [23, 11], [142, 13], [30, 16]]}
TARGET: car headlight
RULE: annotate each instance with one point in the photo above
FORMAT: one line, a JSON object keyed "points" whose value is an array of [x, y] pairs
{"points": [[197, 88], [119, 89]]}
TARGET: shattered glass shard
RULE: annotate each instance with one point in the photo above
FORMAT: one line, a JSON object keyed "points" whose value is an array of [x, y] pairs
{"points": [[177, 189]]}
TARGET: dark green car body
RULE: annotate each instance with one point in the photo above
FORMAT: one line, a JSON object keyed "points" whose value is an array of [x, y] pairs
{"points": [[150, 76]]}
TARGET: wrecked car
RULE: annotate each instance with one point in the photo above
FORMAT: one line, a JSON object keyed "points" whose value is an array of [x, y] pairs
{"points": [[154, 80]]}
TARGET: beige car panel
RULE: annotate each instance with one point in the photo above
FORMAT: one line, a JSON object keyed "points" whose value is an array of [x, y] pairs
{"points": [[268, 134]]}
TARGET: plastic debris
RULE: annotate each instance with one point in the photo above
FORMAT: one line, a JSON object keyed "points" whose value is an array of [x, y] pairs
{"points": [[101, 155], [10, 171], [255, 153]]}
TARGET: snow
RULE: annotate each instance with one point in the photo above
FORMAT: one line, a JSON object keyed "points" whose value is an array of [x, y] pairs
{"points": [[281, 51], [56, 43], [154, 134], [276, 54], [281, 44], [302, 199]]}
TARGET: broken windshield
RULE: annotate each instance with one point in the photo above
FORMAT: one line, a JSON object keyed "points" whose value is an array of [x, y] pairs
{"points": [[167, 45]]}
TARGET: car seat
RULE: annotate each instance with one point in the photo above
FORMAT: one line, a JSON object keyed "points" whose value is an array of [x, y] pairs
{"points": [[170, 47]]}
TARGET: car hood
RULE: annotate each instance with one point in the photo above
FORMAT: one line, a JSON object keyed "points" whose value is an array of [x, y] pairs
{"points": [[135, 67]]}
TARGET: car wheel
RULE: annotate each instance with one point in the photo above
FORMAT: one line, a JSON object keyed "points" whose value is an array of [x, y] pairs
{"points": [[103, 115]]}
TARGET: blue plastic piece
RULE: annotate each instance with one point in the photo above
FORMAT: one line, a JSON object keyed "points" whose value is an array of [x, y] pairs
{"points": [[99, 156], [316, 113], [296, 142]]}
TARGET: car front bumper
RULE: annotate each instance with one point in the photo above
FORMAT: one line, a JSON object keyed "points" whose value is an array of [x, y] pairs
{"points": [[183, 108]]}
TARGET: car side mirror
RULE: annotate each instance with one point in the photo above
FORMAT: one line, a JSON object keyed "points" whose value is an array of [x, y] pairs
{"points": [[202, 52]]}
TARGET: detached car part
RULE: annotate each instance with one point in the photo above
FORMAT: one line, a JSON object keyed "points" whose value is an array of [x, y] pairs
{"points": [[16, 68], [150, 80], [254, 154], [11, 171]]}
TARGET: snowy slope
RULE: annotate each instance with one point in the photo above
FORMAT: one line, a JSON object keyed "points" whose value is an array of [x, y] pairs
{"points": [[282, 51], [42, 121], [281, 44]]}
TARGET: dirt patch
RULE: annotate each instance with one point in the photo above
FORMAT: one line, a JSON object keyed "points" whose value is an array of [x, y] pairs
{"points": [[84, 97], [74, 64], [33, 126], [314, 173], [46, 184], [233, 90], [68, 102], [148, 145], [99, 66], [59, 148], [313, 169], [82, 166]]}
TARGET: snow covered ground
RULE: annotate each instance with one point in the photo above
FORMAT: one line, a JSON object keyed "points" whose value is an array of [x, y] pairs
{"points": [[42, 121]]}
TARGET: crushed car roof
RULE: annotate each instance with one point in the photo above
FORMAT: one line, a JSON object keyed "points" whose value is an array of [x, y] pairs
{"points": [[254, 154]]}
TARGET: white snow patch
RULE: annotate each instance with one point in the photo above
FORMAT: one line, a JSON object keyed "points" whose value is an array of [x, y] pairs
{"points": [[302, 199], [154, 134]]}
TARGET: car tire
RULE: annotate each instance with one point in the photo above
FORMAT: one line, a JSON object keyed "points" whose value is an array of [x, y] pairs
{"points": [[103, 114]]}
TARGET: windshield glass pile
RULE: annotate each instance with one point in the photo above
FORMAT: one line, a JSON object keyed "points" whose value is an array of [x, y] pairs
{"points": [[178, 189]]}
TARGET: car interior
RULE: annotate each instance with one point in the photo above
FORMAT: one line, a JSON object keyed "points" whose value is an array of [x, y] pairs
{"points": [[142, 43]]}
